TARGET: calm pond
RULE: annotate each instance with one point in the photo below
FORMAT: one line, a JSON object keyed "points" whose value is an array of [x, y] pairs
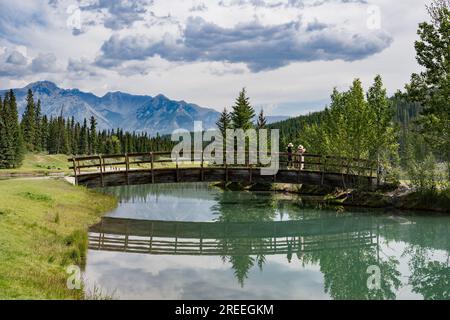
{"points": [[192, 241]]}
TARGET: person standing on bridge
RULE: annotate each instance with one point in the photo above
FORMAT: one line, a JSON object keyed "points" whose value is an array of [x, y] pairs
{"points": [[301, 159], [290, 149]]}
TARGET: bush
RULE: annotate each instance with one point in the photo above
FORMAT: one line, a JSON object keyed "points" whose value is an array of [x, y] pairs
{"points": [[423, 175]]}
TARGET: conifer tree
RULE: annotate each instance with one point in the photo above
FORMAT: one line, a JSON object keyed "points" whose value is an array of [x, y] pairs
{"points": [[93, 148], [28, 124], [83, 145], [3, 136], [38, 129], [15, 149], [261, 122], [44, 133], [243, 113], [224, 122]]}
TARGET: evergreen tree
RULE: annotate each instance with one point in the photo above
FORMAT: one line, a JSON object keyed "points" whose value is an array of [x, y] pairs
{"points": [[15, 150], [261, 122], [44, 133], [28, 123], [93, 148], [83, 144], [115, 145], [224, 122], [3, 136], [243, 113], [38, 127]]}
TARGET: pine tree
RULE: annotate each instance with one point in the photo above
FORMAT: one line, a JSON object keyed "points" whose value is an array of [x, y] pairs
{"points": [[224, 122], [44, 133], [83, 143], [115, 145], [28, 124], [243, 113], [261, 122], [38, 126], [93, 140], [3, 135], [15, 152]]}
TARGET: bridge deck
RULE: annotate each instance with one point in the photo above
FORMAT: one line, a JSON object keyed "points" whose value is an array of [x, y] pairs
{"points": [[131, 169]]}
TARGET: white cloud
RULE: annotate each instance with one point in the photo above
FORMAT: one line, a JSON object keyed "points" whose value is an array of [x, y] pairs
{"points": [[38, 44]]}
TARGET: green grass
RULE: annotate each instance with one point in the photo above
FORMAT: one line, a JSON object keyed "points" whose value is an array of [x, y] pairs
{"points": [[43, 229], [41, 164]]}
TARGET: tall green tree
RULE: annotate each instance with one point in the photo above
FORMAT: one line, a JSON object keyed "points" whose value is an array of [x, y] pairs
{"points": [[44, 133], [261, 123], [38, 127], [384, 143], [3, 136], [243, 113], [355, 128], [431, 87], [224, 122], [14, 149], [345, 127], [28, 123], [93, 147], [83, 143]]}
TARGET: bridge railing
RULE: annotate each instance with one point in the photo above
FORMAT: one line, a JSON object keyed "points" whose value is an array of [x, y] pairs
{"points": [[161, 160]]}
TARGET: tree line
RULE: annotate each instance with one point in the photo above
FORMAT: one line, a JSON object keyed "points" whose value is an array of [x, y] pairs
{"points": [[38, 133]]}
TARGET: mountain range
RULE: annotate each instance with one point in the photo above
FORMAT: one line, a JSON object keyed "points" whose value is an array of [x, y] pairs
{"points": [[140, 113]]}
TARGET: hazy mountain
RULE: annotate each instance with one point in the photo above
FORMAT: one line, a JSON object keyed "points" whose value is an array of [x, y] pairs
{"points": [[120, 110], [117, 109]]}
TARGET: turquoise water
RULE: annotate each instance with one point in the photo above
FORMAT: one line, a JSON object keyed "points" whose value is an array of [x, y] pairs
{"points": [[191, 241]]}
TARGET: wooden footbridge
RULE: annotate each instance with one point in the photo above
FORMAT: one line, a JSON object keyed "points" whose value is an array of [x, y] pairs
{"points": [[228, 239], [159, 167]]}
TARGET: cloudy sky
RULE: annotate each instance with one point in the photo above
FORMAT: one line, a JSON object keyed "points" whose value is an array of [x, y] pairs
{"points": [[289, 54]]}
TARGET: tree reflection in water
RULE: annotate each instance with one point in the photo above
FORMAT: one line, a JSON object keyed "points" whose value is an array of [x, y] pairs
{"points": [[340, 285], [337, 245]]}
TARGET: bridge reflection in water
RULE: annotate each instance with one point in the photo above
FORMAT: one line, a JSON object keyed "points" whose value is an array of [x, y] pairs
{"points": [[232, 239]]}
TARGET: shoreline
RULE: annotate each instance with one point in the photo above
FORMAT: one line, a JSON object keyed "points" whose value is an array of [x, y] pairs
{"points": [[400, 199], [44, 226]]}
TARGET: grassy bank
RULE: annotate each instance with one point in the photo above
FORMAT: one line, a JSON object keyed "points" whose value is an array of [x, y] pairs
{"points": [[40, 164], [43, 226]]}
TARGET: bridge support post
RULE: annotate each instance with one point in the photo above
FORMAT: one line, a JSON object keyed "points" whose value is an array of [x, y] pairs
{"points": [[226, 171], [341, 165], [378, 172], [322, 165], [75, 170], [102, 169], [127, 168], [152, 167], [178, 176], [202, 173]]}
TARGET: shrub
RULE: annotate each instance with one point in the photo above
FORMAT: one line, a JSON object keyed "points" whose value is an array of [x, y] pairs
{"points": [[423, 175]]}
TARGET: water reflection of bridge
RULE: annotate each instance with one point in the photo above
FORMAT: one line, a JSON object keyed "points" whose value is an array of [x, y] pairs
{"points": [[229, 239]]}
